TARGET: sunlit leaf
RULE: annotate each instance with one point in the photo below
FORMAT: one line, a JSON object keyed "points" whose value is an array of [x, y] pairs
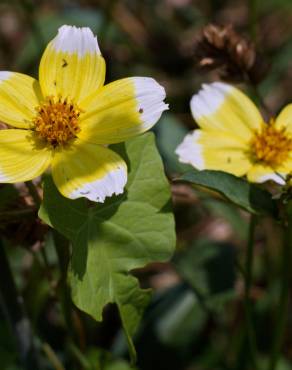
{"points": [[109, 240]]}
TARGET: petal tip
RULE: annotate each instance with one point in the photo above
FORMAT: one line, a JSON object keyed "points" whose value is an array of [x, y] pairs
{"points": [[72, 39], [5, 75], [190, 151], [113, 183], [273, 177], [150, 97], [209, 98]]}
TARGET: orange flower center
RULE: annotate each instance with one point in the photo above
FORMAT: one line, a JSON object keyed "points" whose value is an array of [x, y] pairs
{"points": [[271, 145], [57, 121]]}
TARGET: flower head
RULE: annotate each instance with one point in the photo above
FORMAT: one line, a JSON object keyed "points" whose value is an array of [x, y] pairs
{"points": [[66, 120], [234, 138]]}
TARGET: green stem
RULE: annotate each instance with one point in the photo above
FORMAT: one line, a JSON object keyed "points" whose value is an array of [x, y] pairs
{"points": [[13, 308], [46, 261], [62, 250], [53, 358], [78, 355], [34, 193], [284, 295], [247, 301]]}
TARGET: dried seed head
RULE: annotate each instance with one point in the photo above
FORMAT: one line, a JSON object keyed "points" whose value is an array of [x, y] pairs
{"points": [[235, 57]]}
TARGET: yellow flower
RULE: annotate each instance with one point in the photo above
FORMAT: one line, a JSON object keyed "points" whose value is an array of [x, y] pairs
{"points": [[67, 119], [234, 138]]}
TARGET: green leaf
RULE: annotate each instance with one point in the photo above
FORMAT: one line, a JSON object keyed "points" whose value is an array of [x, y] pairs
{"points": [[246, 195], [100, 359], [111, 239]]}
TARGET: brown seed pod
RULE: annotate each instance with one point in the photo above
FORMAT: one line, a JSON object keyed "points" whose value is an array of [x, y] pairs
{"points": [[221, 48]]}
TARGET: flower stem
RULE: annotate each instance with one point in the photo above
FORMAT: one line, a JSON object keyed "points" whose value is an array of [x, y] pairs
{"points": [[247, 301], [54, 360], [79, 356], [284, 295], [62, 250], [12, 304]]}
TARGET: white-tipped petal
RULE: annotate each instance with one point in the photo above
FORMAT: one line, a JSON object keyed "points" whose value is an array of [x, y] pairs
{"points": [[121, 110], [190, 151], [71, 39], [209, 99], [150, 97], [90, 171], [5, 75], [72, 66], [219, 106], [214, 151], [112, 183], [261, 173], [272, 176]]}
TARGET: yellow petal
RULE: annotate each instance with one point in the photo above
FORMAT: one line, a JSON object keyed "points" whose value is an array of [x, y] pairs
{"points": [[284, 119], [222, 107], [19, 96], [22, 158], [90, 171], [122, 109], [260, 173], [214, 151], [72, 65], [286, 167]]}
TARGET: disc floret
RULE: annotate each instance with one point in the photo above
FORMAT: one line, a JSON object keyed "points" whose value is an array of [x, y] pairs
{"points": [[57, 121], [271, 145]]}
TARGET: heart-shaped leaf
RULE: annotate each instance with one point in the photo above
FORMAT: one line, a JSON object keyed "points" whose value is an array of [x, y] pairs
{"points": [[111, 239]]}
